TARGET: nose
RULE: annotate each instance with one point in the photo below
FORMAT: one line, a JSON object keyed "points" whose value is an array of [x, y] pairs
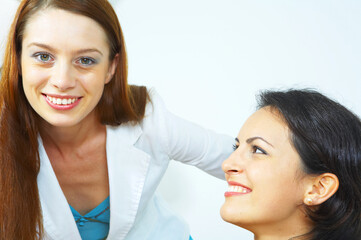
{"points": [[233, 164], [63, 76]]}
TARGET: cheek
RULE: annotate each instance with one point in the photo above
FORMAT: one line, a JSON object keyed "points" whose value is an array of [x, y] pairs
{"points": [[34, 76], [277, 192], [93, 80], [92, 85]]}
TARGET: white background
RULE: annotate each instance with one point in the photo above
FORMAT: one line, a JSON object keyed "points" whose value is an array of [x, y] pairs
{"points": [[209, 58]]}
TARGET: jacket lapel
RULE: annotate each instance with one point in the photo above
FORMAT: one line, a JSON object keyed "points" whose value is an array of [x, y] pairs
{"points": [[58, 220], [127, 169]]}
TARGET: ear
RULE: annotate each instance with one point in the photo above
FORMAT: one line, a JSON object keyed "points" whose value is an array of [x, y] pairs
{"points": [[320, 189], [112, 68]]}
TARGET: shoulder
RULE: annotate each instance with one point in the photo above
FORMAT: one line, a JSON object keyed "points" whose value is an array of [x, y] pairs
{"points": [[146, 102], [154, 125], [155, 104], [153, 130]]}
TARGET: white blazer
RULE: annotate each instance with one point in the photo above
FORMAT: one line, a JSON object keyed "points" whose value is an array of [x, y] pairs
{"points": [[138, 156]]}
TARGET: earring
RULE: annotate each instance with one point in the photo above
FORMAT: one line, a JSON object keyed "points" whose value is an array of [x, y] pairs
{"points": [[308, 201]]}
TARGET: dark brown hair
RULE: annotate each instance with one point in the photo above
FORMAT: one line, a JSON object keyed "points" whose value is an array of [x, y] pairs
{"points": [[20, 210], [327, 136]]}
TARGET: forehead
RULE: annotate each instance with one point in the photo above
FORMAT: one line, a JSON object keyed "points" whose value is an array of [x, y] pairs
{"points": [[268, 124], [65, 29]]}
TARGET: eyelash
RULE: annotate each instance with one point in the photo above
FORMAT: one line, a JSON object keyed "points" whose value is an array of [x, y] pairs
{"points": [[92, 60], [254, 148], [39, 54], [234, 146]]}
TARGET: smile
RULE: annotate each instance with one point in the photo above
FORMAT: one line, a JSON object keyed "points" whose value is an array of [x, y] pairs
{"points": [[62, 102], [236, 189]]}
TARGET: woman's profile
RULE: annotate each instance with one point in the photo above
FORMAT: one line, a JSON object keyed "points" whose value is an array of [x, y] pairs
{"points": [[296, 170], [81, 151]]}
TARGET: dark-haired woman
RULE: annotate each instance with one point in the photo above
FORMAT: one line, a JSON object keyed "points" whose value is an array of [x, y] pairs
{"points": [[296, 170], [81, 151]]}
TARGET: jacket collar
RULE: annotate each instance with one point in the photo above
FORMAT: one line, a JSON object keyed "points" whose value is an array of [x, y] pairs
{"points": [[58, 220], [127, 169]]}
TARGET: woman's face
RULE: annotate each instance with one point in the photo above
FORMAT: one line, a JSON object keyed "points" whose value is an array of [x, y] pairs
{"points": [[266, 183], [65, 65]]}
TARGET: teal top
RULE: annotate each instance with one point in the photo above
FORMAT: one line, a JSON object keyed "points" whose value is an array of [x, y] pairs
{"points": [[95, 224]]}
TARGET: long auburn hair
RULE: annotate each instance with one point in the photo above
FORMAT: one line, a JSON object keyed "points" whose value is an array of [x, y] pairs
{"points": [[327, 136], [20, 209]]}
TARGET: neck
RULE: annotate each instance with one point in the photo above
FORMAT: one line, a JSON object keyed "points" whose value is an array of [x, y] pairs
{"points": [[73, 136], [295, 236], [295, 228]]}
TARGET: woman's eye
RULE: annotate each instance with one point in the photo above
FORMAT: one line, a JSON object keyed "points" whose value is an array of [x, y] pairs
{"points": [[43, 57], [86, 61], [258, 150]]}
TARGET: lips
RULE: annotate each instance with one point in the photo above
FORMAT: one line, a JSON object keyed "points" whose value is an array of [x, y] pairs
{"points": [[236, 189]]}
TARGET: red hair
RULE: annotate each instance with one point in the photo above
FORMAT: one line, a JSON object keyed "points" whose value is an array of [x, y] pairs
{"points": [[20, 209]]}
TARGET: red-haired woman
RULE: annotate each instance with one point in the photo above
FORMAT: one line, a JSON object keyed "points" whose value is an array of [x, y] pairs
{"points": [[81, 151]]}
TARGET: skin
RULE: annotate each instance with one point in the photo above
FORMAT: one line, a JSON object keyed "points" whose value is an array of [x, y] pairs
{"points": [[266, 162], [66, 54]]}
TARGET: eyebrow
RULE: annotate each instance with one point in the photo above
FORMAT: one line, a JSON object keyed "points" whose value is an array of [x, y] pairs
{"points": [[80, 51], [249, 140], [42, 46]]}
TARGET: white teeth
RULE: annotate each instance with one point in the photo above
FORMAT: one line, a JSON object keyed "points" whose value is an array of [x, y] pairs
{"points": [[240, 189], [61, 101]]}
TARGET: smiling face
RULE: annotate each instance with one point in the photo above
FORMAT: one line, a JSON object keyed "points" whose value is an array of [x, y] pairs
{"points": [[266, 182], [65, 65]]}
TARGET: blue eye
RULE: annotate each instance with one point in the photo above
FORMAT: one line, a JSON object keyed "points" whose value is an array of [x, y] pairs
{"points": [[86, 61]]}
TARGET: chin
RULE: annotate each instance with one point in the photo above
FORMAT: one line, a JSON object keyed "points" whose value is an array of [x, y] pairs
{"points": [[235, 214], [60, 122], [230, 214]]}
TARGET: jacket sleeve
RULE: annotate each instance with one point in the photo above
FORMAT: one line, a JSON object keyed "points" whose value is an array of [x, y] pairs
{"points": [[191, 144]]}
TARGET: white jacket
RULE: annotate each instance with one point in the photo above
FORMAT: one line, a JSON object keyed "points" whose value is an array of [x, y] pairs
{"points": [[138, 156]]}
